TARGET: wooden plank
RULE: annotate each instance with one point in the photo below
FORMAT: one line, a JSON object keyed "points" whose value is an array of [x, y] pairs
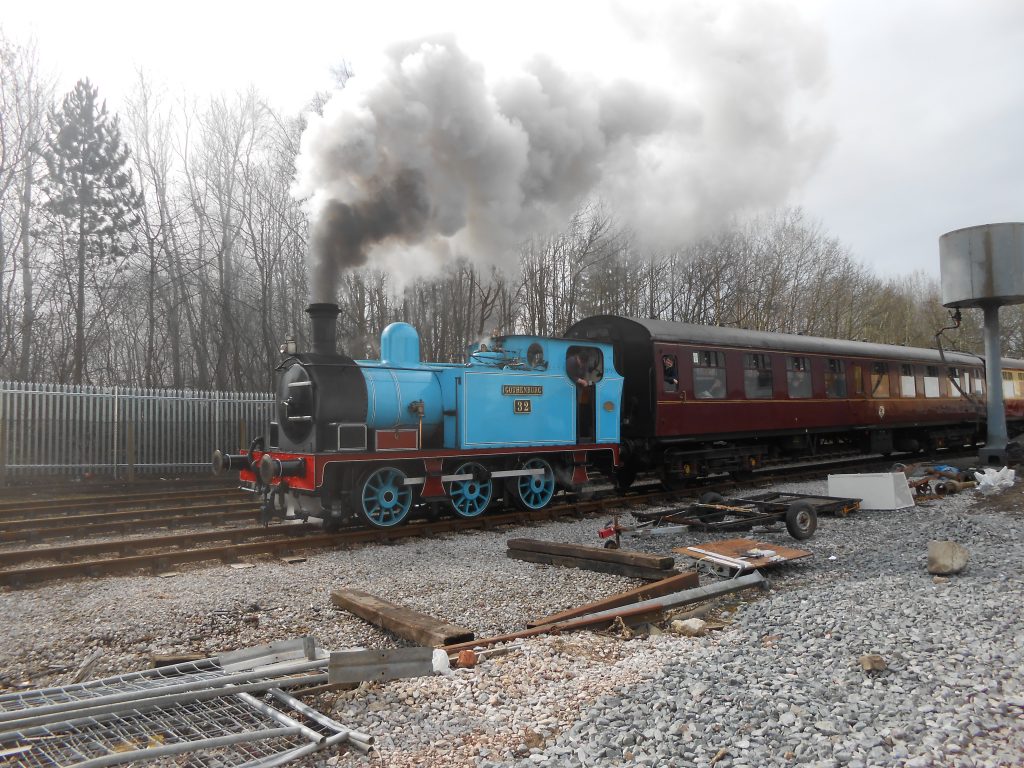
{"points": [[618, 569], [408, 624], [625, 557], [685, 580]]}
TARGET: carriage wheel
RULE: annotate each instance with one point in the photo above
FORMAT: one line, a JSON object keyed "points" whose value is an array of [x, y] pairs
{"points": [[471, 497], [384, 500], [534, 491]]}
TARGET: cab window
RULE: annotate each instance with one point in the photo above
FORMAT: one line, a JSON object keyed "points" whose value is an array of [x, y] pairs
{"points": [[584, 365]]}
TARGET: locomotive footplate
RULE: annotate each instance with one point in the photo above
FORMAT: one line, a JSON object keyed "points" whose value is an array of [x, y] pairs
{"points": [[736, 513]]}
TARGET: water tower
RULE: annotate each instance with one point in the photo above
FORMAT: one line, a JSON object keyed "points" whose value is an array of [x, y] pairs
{"points": [[983, 267]]}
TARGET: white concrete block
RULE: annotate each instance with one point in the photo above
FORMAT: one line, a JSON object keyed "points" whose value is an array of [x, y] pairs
{"points": [[876, 490]]}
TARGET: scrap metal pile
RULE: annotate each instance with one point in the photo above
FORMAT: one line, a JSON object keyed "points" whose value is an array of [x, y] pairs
{"points": [[234, 706]]}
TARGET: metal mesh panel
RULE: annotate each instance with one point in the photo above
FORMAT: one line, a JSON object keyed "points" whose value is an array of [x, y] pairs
{"points": [[50, 429], [194, 714]]}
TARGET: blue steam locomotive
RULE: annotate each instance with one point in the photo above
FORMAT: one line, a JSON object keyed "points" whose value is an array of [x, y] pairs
{"points": [[376, 439]]}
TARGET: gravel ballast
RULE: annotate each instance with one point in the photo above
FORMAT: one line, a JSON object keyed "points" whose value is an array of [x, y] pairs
{"points": [[780, 684]]}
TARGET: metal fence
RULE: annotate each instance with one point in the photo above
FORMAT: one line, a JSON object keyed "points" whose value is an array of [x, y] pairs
{"points": [[58, 429]]}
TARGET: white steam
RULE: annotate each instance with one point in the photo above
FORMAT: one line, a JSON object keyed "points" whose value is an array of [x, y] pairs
{"points": [[426, 158]]}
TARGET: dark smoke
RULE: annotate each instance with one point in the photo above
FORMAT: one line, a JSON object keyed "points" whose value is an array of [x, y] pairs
{"points": [[342, 233]]}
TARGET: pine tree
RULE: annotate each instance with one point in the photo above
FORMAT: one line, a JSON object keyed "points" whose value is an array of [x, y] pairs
{"points": [[90, 188]]}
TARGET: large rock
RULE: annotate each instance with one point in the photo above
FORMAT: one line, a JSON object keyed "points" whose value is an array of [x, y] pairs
{"points": [[946, 557], [689, 627]]}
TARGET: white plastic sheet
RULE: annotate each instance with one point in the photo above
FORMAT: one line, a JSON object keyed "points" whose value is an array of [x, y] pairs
{"points": [[993, 481]]}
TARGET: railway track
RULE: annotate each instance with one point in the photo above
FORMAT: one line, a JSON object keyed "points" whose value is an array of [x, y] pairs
{"points": [[37, 529], [20, 567], [74, 505], [181, 549]]}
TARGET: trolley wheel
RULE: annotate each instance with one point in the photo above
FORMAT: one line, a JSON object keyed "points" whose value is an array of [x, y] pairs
{"points": [[471, 497], [383, 498], [533, 491], [801, 520], [712, 498], [611, 544]]}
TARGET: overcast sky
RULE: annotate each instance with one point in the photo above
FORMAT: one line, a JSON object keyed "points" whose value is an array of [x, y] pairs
{"points": [[923, 99]]}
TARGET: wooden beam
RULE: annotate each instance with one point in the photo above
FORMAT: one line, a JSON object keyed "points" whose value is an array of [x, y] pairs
{"points": [[601, 566], [657, 562], [408, 624], [686, 580]]}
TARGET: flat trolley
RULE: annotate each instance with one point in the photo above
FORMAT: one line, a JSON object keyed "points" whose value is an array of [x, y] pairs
{"points": [[715, 512]]}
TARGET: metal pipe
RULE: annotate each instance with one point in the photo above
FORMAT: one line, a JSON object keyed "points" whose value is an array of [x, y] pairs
{"points": [[684, 597], [180, 748], [287, 757], [319, 717], [995, 443], [281, 718]]}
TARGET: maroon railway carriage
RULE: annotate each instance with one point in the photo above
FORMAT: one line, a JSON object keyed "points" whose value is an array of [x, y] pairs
{"points": [[703, 399]]}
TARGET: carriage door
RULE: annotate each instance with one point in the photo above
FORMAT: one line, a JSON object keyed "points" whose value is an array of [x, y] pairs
{"points": [[585, 367]]}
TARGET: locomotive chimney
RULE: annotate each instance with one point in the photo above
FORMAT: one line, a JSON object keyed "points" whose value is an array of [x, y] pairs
{"points": [[323, 318]]}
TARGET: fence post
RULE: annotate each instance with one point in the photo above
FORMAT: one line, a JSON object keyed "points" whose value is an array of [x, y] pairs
{"points": [[3, 447], [129, 446], [242, 430]]}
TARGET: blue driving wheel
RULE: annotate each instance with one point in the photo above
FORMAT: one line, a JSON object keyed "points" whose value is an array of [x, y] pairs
{"points": [[535, 491], [384, 499], [471, 497]]}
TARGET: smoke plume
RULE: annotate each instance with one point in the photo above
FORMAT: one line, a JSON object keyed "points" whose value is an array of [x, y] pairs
{"points": [[426, 158]]}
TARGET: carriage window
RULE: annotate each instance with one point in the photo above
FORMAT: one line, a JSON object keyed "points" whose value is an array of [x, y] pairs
{"points": [[879, 379], [757, 376], [835, 378], [798, 377], [954, 382], [858, 380], [1008, 384], [709, 375], [979, 383], [584, 364], [931, 381], [907, 387], [669, 373]]}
